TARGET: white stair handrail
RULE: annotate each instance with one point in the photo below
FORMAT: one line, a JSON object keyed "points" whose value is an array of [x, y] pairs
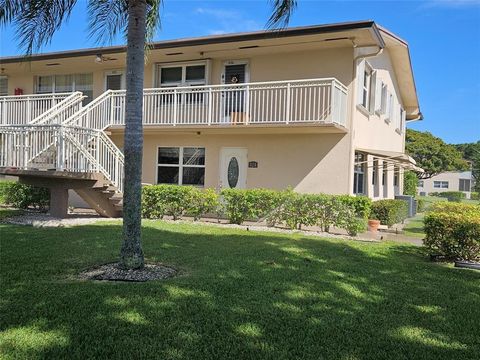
{"points": [[69, 103]]}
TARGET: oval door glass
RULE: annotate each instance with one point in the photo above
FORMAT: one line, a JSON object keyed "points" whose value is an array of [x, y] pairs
{"points": [[233, 172]]}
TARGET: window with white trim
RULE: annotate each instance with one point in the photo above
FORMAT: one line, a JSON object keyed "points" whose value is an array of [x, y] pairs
{"points": [[359, 174], [440, 184], [401, 120], [375, 171], [182, 75], [396, 176], [383, 99], [3, 86], [46, 84], [366, 87], [181, 165], [464, 185], [389, 113], [420, 183]]}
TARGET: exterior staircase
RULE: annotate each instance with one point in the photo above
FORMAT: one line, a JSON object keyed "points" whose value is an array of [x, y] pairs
{"points": [[56, 150]]}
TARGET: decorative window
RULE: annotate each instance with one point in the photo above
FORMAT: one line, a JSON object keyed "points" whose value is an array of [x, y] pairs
{"points": [[440, 184], [66, 83], [181, 165], [464, 185], [3, 86], [359, 174]]}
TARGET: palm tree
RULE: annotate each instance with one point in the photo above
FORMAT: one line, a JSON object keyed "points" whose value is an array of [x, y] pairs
{"points": [[36, 22]]}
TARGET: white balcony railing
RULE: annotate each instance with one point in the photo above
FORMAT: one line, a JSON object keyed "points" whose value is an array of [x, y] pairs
{"points": [[61, 148], [22, 109], [316, 101]]}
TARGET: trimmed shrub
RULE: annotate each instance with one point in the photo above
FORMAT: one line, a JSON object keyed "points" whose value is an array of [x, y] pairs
{"points": [[389, 211], [454, 196], [420, 205], [23, 196], [361, 204], [454, 235], [203, 202], [176, 201], [456, 208], [410, 183], [237, 205]]}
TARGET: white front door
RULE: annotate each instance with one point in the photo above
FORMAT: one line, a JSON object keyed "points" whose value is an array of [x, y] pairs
{"points": [[233, 168]]}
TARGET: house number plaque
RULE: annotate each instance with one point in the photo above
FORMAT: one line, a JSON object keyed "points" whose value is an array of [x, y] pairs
{"points": [[253, 164]]}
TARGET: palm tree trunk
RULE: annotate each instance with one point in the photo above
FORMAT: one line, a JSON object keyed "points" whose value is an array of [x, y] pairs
{"points": [[131, 255]]}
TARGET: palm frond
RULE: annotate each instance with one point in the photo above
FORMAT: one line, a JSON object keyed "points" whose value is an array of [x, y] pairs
{"points": [[35, 21], [153, 18], [282, 11], [108, 18]]}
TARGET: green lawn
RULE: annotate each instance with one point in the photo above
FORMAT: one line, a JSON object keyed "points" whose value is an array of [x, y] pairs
{"points": [[241, 295]]}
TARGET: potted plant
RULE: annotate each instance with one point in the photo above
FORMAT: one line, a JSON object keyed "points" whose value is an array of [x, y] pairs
{"points": [[373, 224]]}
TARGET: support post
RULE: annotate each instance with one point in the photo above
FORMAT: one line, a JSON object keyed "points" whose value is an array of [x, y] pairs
{"points": [[59, 202]]}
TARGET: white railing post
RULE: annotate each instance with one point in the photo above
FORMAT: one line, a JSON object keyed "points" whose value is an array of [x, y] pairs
{"points": [[174, 107], [247, 104], [332, 102], [288, 115], [60, 148], [210, 101], [4, 112], [97, 153]]}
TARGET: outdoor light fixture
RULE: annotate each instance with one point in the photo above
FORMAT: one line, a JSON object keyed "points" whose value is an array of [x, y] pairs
{"points": [[99, 59]]}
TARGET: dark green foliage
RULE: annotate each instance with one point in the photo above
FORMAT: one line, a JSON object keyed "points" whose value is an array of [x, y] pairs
{"points": [[410, 183], [475, 196], [471, 152], [454, 196], [432, 154], [177, 201], [23, 196], [420, 205], [390, 211], [453, 230]]}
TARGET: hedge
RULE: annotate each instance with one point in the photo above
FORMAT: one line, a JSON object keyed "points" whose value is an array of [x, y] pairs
{"points": [[238, 205], [23, 196], [475, 195], [453, 231], [454, 196], [390, 211]]}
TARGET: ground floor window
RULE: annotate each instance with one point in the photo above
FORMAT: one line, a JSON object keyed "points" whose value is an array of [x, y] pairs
{"points": [[464, 185], [374, 171], [440, 184], [359, 174], [396, 176], [181, 165]]}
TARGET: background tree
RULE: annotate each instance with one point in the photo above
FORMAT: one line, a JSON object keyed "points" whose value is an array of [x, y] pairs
{"points": [[432, 154], [36, 21], [471, 153]]}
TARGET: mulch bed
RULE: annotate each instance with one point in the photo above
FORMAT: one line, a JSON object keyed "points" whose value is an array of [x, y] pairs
{"points": [[113, 272]]}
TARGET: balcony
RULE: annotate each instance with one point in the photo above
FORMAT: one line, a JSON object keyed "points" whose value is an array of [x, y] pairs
{"points": [[313, 102]]}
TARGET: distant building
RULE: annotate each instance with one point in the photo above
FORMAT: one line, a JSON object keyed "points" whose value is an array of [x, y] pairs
{"points": [[448, 181]]}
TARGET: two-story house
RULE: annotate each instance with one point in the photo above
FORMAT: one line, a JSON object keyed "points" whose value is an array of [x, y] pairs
{"points": [[321, 109]]}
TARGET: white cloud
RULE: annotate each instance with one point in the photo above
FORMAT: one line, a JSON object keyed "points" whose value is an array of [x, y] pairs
{"points": [[228, 21]]}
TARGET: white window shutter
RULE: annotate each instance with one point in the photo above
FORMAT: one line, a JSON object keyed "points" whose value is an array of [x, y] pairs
{"points": [[360, 78], [373, 87], [378, 96]]}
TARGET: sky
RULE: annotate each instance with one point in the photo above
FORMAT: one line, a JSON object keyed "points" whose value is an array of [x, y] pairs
{"points": [[443, 35]]}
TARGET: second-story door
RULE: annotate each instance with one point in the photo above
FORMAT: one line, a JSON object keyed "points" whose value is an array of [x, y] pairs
{"points": [[115, 80], [234, 97]]}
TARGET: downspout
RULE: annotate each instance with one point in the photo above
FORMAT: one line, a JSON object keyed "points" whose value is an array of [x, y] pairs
{"points": [[352, 108]]}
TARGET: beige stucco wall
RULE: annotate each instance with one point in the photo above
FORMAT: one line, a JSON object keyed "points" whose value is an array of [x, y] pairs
{"points": [[308, 163], [453, 178]]}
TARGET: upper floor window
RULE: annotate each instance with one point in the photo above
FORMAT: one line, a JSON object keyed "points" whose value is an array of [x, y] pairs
{"points": [[188, 74], [46, 84], [383, 99], [366, 78], [359, 174], [3, 86], [389, 113], [464, 185], [440, 184], [420, 183], [401, 119]]}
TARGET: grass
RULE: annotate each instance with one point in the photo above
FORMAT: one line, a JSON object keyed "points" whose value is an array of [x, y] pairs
{"points": [[241, 295], [6, 213], [414, 227]]}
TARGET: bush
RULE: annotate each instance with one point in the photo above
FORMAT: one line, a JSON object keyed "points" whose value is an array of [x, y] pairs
{"points": [[420, 205], [176, 201], [203, 202], [454, 235], [390, 211], [475, 196], [361, 204], [454, 196], [23, 196], [455, 208], [410, 183]]}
